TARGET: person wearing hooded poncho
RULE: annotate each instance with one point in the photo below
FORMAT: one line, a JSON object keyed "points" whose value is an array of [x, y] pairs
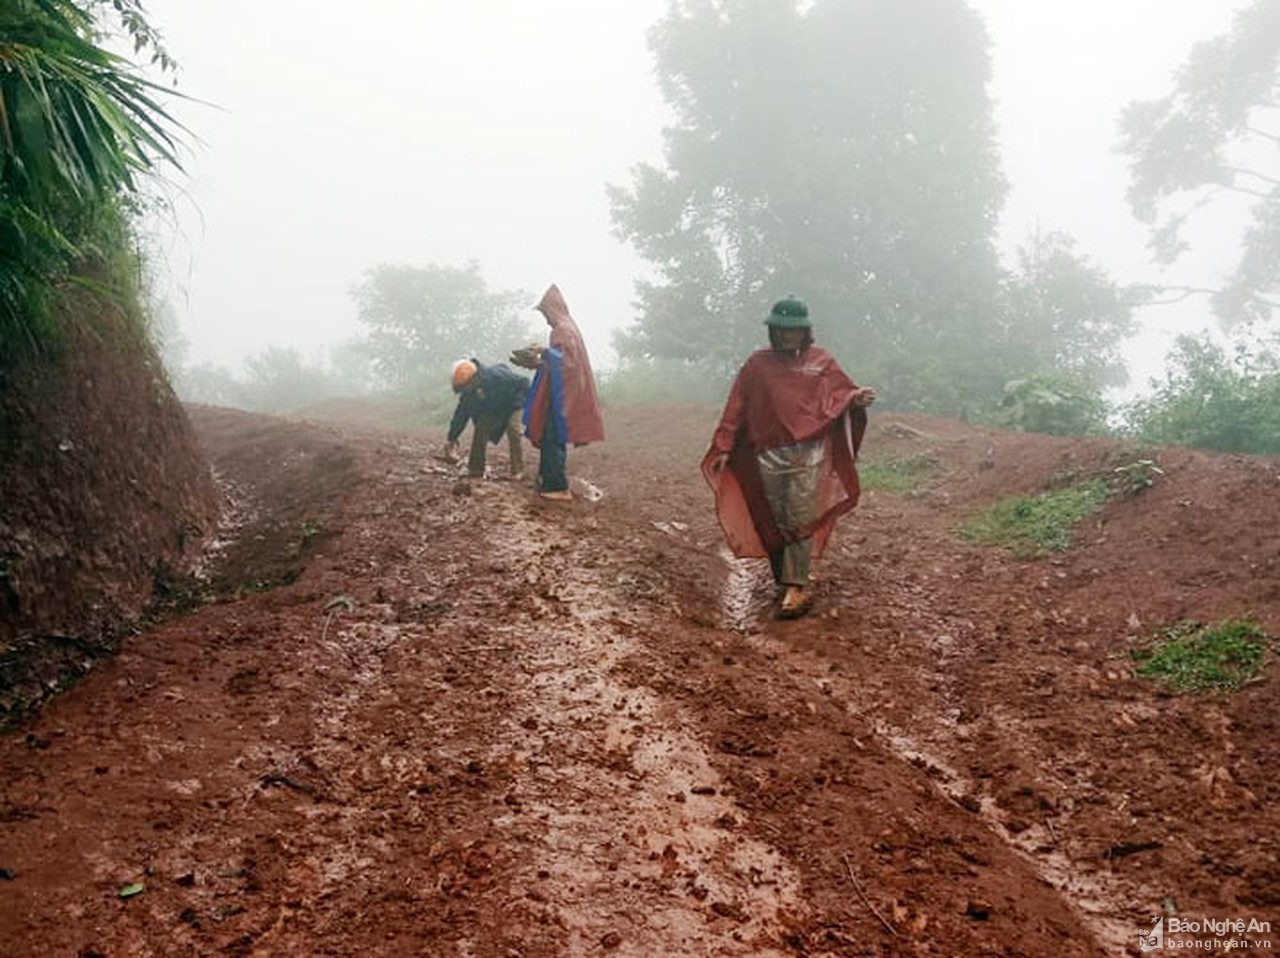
{"points": [[562, 407], [782, 461]]}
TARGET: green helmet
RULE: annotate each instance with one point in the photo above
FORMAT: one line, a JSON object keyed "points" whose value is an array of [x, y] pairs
{"points": [[789, 313]]}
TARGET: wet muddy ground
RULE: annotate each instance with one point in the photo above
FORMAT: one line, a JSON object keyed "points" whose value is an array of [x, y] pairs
{"points": [[412, 715]]}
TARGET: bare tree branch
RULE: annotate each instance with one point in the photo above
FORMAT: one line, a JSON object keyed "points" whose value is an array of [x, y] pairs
{"points": [[1182, 293], [1247, 192], [1254, 173]]}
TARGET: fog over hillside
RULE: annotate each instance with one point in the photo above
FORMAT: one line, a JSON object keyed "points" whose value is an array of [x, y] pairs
{"points": [[486, 132]]}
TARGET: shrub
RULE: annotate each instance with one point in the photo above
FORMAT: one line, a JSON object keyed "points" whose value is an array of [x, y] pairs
{"points": [[1056, 405], [1211, 401], [662, 380], [1036, 525], [1190, 657]]}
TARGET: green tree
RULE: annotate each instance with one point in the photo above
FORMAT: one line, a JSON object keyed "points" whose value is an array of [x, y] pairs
{"points": [[421, 319], [1213, 400], [210, 384], [278, 379], [662, 381], [351, 371], [1063, 317], [1060, 405], [77, 126], [1216, 134], [842, 151]]}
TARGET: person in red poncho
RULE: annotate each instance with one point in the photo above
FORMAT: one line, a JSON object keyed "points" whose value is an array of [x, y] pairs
{"points": [[561, 407], [782, 462]]}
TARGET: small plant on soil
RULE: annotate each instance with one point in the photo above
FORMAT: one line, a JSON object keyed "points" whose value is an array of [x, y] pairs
{"points": [[904, 475], [308, 530], [1191, 657], [1137, 476], [1036, 525]]}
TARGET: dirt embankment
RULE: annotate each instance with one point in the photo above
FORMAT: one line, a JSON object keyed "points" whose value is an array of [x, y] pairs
{"points": [[427, 717], [104, 500]]}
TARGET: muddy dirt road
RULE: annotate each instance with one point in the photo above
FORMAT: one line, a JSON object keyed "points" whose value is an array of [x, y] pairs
{"points": [[415, 716]]}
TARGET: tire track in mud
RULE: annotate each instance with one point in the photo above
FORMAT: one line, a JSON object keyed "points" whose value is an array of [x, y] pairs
{"points": [[614, 830], [953, 737], [636, 850], [932, 739], [511, 740]]}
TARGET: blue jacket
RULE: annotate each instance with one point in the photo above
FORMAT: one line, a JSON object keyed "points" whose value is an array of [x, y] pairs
{"points": [[496, 392]]}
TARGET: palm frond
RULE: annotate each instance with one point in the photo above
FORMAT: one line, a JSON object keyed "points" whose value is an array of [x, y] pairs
{"points": [[78, 127]]}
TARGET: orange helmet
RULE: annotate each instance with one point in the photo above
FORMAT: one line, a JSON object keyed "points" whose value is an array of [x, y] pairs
{"points": [[464, 370]]}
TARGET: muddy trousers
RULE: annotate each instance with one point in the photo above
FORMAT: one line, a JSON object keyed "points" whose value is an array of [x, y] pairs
{"points": [[481, 430], [790, 564], [551, 464], [790, 475]]}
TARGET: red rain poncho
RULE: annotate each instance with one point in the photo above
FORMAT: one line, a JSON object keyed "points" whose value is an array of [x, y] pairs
{"points": [[564, 386], [777, 399]]}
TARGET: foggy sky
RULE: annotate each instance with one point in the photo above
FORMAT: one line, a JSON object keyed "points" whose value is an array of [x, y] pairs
{"points": [[342, 138]]}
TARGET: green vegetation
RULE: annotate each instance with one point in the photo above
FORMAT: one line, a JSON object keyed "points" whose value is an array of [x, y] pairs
{"points": [[309, 530], [77, 127], [662, 380], [1191, 657], [1136, 477], [277, 378], [1033, 526], [902, 475], [1064, 320], [1209, 143], [1053, 404], [1213, 401]]}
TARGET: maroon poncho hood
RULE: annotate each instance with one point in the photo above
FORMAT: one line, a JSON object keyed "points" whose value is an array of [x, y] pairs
{"points": [[577, 383]]}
